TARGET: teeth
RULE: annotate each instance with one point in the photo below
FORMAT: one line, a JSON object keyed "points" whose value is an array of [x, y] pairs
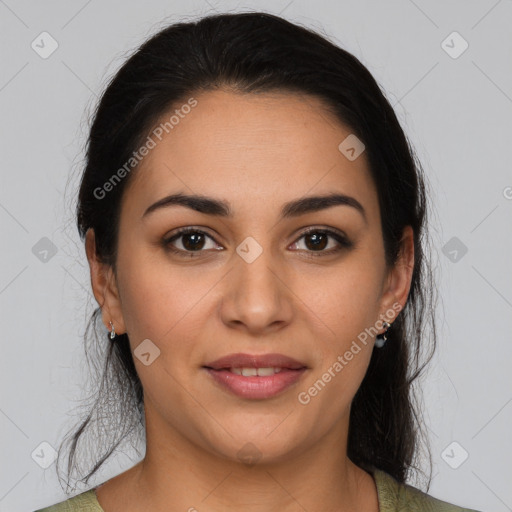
{"points": [[251, 372]]}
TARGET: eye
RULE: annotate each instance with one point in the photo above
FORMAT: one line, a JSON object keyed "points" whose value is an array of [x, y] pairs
{"points": [[317, 240], [192, 240]]}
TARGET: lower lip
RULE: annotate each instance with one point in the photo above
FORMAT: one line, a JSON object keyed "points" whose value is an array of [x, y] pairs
{"points": [[256, 387]]}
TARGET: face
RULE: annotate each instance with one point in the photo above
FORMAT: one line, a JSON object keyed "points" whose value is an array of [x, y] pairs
{"points": [[304, 280]]}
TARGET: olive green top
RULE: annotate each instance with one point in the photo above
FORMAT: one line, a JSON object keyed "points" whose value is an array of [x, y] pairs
{"points": [[393, 497]]}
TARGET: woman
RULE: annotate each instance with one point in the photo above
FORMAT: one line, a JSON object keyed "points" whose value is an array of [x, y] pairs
{"points": [[254, 221]]}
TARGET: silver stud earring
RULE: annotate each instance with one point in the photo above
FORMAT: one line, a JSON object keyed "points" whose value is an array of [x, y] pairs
{"points": [[112, 332], [382, 338]]}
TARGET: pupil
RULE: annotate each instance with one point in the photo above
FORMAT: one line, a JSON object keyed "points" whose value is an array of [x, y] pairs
{"points": [[196, 237], [319, 241]]}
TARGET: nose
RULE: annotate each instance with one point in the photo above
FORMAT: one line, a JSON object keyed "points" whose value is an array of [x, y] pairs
{"points": [[257, 297]]}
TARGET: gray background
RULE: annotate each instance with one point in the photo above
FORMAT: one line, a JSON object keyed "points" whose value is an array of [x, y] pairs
{"points": [[457, 113]]}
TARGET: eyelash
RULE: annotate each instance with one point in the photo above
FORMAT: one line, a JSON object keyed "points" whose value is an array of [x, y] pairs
{"points": [[344, 242]]}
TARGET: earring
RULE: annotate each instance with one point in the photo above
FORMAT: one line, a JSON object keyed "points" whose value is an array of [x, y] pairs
{"points": [[382, 338], [112, 332]]}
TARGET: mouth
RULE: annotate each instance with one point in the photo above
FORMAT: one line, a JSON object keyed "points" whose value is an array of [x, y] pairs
{"points": [[253, 372], [256, 376], [263, 362]]}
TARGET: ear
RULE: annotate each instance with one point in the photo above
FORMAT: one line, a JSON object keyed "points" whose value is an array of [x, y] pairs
{"points": [[398, 281], [104, 286]]}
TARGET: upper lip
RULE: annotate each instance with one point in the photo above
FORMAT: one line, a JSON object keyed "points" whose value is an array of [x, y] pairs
{"points": [[255, 361]]}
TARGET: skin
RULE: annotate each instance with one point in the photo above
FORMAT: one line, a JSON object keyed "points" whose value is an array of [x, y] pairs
{"points": [[256, 152]]}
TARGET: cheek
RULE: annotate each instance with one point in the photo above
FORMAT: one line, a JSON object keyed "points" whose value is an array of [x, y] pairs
{"points": [[347, 302], [164, 302], [326, 396], [346, 299], [156, 295]]}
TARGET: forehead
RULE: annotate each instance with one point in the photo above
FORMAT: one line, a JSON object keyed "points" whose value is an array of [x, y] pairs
{"points": [[250, 146]]}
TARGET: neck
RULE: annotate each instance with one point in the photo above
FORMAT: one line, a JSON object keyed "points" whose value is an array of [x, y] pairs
{"points": [[177, 474]]}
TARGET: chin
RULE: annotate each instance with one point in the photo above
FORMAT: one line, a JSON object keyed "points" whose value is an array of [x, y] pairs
{"points": [[259, 446]]}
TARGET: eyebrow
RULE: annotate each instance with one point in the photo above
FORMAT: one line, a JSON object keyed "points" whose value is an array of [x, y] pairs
{"points": [[211, 206]]}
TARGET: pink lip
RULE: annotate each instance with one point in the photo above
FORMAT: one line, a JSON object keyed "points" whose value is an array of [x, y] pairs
{"points": [[256, 387], [241, 360]]}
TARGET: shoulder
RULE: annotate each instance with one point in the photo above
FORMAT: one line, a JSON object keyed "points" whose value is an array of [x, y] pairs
{"points": [[395, 496], [84, 502]]}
